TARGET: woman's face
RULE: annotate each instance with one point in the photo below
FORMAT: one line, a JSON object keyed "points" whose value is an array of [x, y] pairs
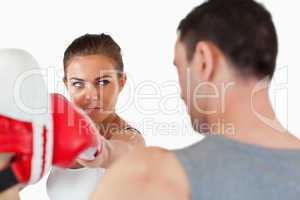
{"points": [[94, 84]]}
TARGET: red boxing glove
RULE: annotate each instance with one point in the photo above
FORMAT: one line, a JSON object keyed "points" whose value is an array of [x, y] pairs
{"points": [[38, 139], [73, 133]]}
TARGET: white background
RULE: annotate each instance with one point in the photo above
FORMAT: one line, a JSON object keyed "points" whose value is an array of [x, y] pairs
{"points": [[146, 32]]}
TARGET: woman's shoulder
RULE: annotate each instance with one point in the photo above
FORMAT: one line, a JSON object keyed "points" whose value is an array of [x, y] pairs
{"points": [[127, 127], [132, 129]]}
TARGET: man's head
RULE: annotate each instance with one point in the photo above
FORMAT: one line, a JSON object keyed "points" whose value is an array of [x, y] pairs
{"points": [[220, 42]]}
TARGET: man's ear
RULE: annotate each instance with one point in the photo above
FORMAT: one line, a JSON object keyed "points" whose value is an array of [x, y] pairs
{"points": [[204, 60], [122, 81]]}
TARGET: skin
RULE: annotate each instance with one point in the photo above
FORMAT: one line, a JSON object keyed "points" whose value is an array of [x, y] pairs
{"points": [[153, 171], [11, 194], [94, 85]]}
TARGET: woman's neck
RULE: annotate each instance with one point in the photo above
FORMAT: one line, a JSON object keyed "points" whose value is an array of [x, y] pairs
{"points": [[110, 124]]}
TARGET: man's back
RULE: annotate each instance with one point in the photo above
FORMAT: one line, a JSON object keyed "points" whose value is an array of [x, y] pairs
{"points": [[220, 168]]}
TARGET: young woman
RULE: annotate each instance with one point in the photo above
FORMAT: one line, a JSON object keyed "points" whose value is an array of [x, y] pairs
{"points": [[94, 77]]}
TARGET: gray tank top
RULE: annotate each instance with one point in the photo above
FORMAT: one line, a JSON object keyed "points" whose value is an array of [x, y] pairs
{"points": [[223, 169]]}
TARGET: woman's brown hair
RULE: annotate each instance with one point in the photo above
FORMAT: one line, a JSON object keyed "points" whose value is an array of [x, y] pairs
{"points": [[91, 44]]}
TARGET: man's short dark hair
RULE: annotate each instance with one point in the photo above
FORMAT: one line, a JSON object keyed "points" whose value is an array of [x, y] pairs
{"points": [[242, 29]]}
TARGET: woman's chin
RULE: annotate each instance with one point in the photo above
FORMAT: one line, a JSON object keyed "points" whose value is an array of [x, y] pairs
{"points": [[97, 117]]}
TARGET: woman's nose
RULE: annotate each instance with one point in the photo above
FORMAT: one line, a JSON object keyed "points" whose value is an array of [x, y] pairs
{"points": [[91, 93]]}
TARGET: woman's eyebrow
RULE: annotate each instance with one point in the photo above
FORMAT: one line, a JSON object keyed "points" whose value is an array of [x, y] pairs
{"points": [[76, 79], [104, 76]]}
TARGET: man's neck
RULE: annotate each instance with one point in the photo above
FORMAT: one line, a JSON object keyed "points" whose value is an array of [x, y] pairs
{"points": [[249, 115]]}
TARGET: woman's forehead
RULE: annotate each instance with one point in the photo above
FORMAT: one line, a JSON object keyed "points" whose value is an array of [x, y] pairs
{"points": [[91, 66]]}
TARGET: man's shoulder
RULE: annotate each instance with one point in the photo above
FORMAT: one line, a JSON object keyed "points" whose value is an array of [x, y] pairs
{"points": [[159, 166], [156, 158]]}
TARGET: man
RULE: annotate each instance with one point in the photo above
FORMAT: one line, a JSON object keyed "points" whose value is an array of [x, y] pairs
{"points": [[225, 56]]}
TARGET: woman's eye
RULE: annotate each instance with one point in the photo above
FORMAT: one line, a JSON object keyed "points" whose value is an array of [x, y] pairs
{"points": [[103, 82], [77, 84]]}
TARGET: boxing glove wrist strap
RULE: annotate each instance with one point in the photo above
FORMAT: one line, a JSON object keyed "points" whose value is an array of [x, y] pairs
{"points": [[7, 179]]}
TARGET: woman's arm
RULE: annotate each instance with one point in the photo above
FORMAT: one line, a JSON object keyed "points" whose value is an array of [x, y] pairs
{"points": [[121, 143]]}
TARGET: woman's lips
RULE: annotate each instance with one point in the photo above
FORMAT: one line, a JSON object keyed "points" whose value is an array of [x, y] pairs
{"points": [[90, 110]]}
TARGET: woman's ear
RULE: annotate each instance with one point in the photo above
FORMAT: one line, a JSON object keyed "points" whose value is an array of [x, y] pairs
{"points": [[122, 81], [65, 82], [204, 59]]}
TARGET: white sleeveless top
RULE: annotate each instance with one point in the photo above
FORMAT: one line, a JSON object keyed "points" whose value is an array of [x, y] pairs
{"points": [[75, 184]]}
